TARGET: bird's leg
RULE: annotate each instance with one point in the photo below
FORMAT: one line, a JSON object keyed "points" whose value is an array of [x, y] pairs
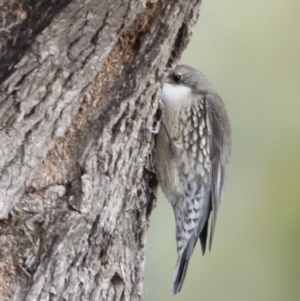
{"points": [[173, 149]]}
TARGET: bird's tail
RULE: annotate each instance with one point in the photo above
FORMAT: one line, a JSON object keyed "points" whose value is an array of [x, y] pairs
{"points": [[182, 265]]}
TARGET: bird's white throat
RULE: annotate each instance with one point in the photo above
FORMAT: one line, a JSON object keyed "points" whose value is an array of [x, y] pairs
{"points": [[174, 96]]}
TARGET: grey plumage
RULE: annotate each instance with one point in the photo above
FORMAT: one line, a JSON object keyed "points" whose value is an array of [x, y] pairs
{"points": [[192, 167]]}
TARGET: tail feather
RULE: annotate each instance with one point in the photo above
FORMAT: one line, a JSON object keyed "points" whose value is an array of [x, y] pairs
{"points": [[203, 236], [182, 265]]}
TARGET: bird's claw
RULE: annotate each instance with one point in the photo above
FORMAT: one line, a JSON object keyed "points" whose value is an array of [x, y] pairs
{"points": [[149, 171], [156, 128]]}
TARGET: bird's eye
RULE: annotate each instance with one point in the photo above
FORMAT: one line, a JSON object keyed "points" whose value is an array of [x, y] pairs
{"points": [[177, 78]]}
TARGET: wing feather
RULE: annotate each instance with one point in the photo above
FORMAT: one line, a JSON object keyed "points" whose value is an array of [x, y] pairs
{"points": [[219, 133]]}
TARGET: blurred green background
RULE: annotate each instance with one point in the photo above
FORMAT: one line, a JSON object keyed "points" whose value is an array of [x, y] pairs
{"points": [[250, 50]]}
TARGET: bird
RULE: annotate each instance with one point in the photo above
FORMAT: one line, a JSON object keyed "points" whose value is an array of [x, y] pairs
{"points": [[193, 149]]}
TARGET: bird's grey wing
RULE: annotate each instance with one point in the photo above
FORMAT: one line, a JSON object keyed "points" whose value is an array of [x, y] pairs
{"points": [[219, 132]]}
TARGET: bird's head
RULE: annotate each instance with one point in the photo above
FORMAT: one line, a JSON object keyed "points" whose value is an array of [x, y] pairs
{"points": [[182, 83]]}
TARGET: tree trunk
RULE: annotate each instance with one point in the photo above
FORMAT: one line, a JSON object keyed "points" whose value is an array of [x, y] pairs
{"points": [[80, 92]]}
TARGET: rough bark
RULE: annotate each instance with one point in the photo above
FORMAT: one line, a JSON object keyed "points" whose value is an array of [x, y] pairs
{"points": [[80, 92]]}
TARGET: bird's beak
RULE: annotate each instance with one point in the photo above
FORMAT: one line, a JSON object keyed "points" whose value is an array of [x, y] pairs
{"points": [[167, 80]]}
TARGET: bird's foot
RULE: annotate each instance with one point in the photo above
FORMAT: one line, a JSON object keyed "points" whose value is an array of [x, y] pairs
{"points": [[149, 177], [149, 171], [156, 128]]}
